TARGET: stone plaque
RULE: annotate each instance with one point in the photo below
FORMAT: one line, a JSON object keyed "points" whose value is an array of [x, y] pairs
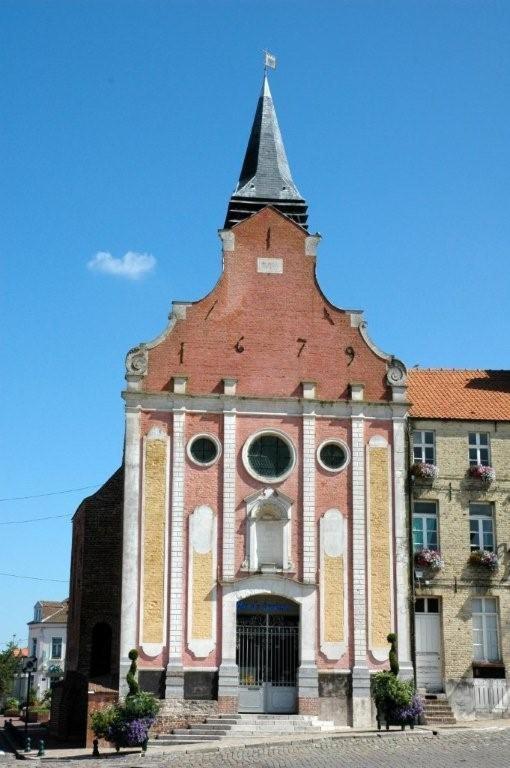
{"points": [[270, 266]]}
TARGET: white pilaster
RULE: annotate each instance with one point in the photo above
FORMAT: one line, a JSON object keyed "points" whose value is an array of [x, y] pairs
{"points": [[309, 527], [401, 549], [361, 702], [229, 494], [130, 542], [174, 672]]}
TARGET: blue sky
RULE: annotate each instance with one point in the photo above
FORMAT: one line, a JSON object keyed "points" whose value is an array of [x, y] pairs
{"points": [[124, 128]]}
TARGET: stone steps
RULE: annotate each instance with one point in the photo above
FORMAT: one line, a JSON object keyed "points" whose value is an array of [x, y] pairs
{"points": [[245, 727], [437, 711]]}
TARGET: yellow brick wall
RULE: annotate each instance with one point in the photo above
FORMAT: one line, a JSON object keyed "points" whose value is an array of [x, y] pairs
{"points": [[154, 517], [333, 599], [380, 563], [202, 602], [459, 582]]}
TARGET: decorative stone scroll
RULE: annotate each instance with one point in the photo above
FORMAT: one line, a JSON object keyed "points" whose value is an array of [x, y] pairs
{"points": [[397, 373], [137, 361]]}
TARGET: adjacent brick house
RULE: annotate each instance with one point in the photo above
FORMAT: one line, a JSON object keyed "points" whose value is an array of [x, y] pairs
{"points": [[460, 422], [262, 556]]}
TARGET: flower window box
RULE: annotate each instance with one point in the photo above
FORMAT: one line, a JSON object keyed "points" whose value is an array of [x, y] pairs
{"points": [[484, 559], [429, 558], [482, 473], [423, 471]]}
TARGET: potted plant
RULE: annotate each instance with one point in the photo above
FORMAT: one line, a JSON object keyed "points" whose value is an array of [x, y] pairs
{"points": [[423, 471], [429, 558], [484, 474], [395, 699], [127, 724], [484, 559]]}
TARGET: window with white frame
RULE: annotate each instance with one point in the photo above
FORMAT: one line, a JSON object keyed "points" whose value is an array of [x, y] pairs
{"points": [[56, 647], [424, 446], [481, 527], [479, 451], [485, 629], [425, 525]]}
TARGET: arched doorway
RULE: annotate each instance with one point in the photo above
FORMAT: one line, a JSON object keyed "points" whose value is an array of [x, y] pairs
{"points": [[267, 653]]}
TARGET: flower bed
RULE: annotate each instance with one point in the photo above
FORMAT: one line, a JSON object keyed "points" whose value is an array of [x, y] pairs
{"points": [[479, 472], [408, 713], [484, 559], [127, 724], [429, 558], [423, 471]]}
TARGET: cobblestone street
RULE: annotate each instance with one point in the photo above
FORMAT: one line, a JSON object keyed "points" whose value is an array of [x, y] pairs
{"points": [[469, 749]]}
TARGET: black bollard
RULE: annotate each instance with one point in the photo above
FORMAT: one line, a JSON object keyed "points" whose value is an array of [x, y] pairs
{"points": [[28, 746], [41, 751], [95, 748]]}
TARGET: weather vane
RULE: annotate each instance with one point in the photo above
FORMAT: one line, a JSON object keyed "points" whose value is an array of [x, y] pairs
{"points": [[269, 61]]}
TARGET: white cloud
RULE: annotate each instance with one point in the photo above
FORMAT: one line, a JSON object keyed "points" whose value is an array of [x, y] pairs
{"points": [[132, 265]]}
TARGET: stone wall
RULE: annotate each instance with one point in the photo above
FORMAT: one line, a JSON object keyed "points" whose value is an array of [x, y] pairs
{"points": [[459, 582]]}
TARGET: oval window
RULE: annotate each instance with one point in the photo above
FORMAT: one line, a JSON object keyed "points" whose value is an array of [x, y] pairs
{"points": [[333, 455], [270, 456], [203, 450]]}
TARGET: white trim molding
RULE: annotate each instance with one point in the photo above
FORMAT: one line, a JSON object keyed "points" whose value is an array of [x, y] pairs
{"points": [[229, 494], [174, 676], [333, 535], [378, 441], [279, 507], [202, 540], [130, 542], [401, 548], [309, 524], [153, 649], [246, 459], [343, 445], [207, 436]]}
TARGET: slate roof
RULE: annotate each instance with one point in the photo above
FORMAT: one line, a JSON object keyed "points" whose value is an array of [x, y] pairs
{"points": [[478, 395], [53, 611], [265, 177]]}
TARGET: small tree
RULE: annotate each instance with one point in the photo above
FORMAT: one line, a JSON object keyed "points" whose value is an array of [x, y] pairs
{"points": [[10, 664]]}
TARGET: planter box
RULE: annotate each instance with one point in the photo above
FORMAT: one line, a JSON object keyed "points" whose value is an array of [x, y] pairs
{"points": [[38, 717], [381, 720]]}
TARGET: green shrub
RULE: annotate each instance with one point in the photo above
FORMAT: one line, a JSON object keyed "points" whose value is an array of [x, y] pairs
{"points": [[102, 719], [11, 704], [390, 692], [134, 688], [143, 704], [393, 655]]}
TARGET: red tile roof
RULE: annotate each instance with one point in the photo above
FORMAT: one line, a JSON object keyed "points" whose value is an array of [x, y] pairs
{"points": [[456, 394]]}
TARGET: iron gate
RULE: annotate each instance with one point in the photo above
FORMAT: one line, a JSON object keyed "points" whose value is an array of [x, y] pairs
{"points": [[267, 657]]}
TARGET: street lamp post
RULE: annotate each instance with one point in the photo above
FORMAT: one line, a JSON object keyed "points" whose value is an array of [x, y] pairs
{"points": [[29, 667]]}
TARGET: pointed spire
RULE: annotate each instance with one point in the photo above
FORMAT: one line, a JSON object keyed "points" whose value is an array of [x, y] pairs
{"points": [[265, 176]]}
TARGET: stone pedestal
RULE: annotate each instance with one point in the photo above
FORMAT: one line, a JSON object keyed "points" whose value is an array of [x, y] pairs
{"points": [[228, 688], [174, 682], [308, 690], [361, 698]]}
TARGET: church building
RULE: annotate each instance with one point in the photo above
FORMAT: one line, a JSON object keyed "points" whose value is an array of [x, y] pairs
{"points": [[254, 545]]}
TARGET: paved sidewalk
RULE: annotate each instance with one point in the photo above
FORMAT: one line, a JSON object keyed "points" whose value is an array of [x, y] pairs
{"points": [[463, 748], [343, 741]]}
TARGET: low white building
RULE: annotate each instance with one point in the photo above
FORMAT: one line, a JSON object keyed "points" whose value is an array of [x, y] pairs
{"points": [[47, 635]]}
